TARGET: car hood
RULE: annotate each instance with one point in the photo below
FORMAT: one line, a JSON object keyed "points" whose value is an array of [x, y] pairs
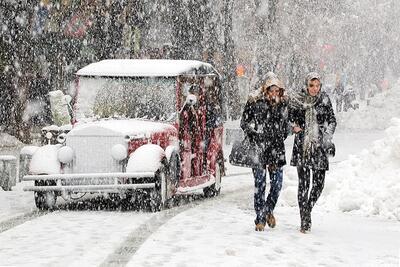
{"points": [[133, 128]]}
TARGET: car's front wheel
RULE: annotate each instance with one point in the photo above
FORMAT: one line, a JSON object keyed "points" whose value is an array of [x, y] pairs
{"points": [[158, 196], [45, 200], [174, 170]]}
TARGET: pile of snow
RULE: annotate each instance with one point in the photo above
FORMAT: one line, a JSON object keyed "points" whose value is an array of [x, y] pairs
{"points": [[7, 140], [368, 183], [376, 115]]}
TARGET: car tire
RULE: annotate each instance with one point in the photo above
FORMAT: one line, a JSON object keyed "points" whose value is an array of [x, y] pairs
{"points": [[174, 170], [215, 189], [45, 200], [158, 196]]}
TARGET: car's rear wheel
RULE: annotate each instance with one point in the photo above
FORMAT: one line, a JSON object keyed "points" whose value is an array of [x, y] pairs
{"points": [[45, 200], [215, 189]]}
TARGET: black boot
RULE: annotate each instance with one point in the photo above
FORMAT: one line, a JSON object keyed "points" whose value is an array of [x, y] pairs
{"points": [[305, 221]]}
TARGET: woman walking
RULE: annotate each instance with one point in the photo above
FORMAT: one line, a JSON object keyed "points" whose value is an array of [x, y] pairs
{"points": [[313, 120], [264, 122]]}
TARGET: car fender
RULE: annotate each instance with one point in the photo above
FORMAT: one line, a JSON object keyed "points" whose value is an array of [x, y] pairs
{"points": [[146, 158], [45, 160]]}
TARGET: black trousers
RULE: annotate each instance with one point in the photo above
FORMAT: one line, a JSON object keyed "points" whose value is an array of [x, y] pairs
{"points": [[305, 197]]}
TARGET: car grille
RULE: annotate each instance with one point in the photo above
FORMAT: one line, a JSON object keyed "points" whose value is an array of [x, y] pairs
{"points": [[93, 153]]}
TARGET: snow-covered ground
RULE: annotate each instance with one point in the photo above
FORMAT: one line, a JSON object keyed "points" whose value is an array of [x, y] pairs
{"points": [[376, 115], [15, 203], [217, 232], [221, 233], [70, 238], [356, 221], [213, 232]]}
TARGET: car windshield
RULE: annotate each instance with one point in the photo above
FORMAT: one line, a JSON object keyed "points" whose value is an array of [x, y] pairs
{"points": [[151, 98]]}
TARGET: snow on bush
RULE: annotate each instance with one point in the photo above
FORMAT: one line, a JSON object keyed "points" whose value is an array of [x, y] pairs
{"points": [[59, 107], [382, 107], [368, 183], [7, 140]]}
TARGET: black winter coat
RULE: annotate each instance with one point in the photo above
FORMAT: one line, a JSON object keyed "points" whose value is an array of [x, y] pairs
{"points": [[266, 126], [326, 124]]}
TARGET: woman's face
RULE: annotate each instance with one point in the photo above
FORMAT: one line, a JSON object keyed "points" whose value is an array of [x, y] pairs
{"points": [[273, 93], [314, 86]]}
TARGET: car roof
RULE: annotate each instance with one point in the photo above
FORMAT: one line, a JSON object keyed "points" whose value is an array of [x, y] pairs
{"points": [[146, 68]]}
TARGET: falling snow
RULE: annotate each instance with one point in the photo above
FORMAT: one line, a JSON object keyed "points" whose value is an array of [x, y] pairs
{"points": [[98, 92]]}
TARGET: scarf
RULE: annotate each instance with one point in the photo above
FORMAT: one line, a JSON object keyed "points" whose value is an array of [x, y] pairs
{"points": [[311, 128], [302, 100]]}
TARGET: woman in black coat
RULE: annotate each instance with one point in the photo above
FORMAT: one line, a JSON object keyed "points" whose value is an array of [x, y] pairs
{"points": [[313, 120], [265, 123]]}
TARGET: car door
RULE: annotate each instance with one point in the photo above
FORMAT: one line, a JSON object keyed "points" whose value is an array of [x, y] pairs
{"points": [[192, 127]]}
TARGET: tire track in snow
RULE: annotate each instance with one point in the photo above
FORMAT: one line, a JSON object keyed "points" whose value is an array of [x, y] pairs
{"points": [[13, 222], [122, 255]]}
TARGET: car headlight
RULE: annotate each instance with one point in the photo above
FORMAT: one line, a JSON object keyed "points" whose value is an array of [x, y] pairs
{"points": [[119, 152], [61, 138], [65, 154], [49, 135]]}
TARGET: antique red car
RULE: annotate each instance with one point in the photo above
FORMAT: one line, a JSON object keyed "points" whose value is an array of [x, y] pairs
{"points": [[152, 126]]}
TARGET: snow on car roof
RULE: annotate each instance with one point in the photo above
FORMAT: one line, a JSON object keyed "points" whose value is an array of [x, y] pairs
{"points": [[145, 68], [123, 127]]}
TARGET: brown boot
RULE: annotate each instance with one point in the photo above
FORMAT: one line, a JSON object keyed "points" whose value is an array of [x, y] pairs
{"points": [[303, 231], [260, 227], [271, 220]]}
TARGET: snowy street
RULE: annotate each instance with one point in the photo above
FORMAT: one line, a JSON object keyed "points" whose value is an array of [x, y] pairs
{"points": [[125, 126], [228, 239], [203, 232]]}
